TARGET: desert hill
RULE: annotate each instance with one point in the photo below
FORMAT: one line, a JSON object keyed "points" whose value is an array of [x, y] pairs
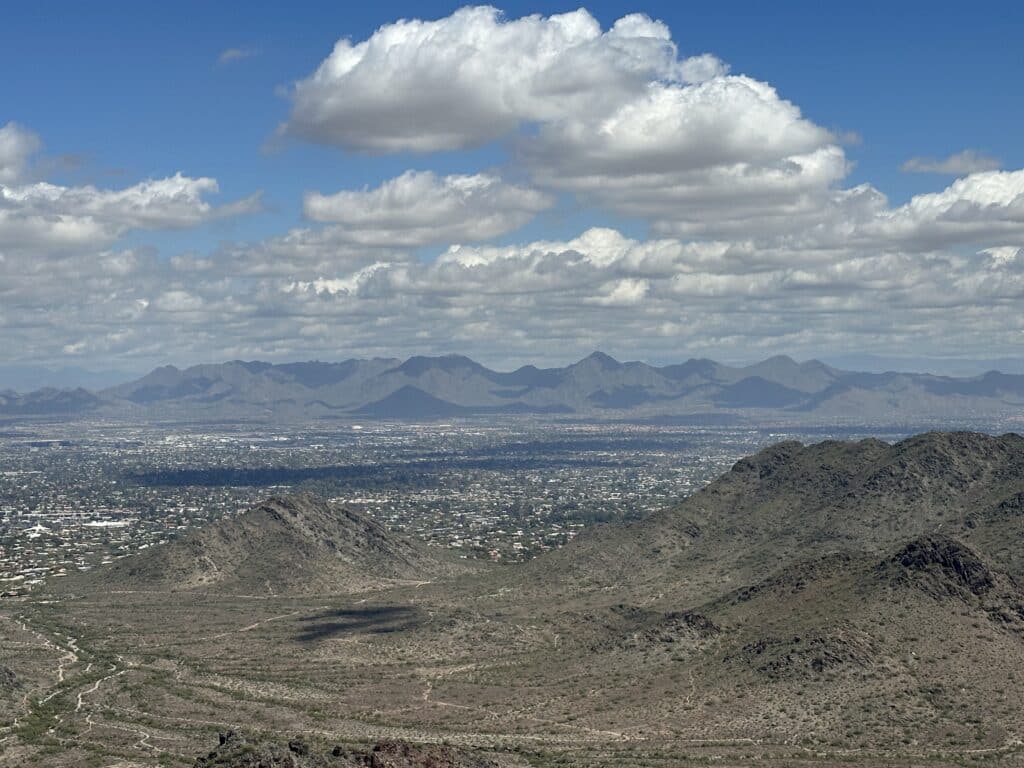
{"points": [[295, 543], [790, 502]]}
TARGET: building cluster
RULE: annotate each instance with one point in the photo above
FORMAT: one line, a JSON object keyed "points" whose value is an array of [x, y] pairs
{"points": [[76, 497]]}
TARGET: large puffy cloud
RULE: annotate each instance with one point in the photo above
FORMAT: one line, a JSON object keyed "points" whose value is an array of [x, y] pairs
{"points": [[983, 208], [720, 122], [421, 208], [694, 159], [616, 116], [473, 77], [620, 120]]}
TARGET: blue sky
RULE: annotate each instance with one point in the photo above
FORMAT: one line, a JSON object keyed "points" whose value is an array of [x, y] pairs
{"points": [[122, 92]]}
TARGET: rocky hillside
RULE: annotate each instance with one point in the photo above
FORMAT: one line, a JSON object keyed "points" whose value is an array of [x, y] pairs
{"points": [[847, 594], [286, 544], [911, 648], [239, 751], [790, 502]]}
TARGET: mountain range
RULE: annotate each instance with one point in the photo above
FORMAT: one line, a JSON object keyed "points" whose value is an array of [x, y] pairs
{"points": [[597, 386]]}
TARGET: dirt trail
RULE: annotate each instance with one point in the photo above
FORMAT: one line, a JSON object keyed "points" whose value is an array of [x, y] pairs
{"points": [[261, 622], [79, 700], [69, 653]]}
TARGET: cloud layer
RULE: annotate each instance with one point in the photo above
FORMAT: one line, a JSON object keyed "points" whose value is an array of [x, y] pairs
{"points": [[757, 243]]}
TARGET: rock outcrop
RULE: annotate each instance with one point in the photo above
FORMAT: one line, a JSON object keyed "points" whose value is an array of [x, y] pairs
{"points": [[237, 750], [945, 566]]}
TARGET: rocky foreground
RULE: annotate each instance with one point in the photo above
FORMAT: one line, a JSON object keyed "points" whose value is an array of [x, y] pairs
{"points": [[237, 750]]}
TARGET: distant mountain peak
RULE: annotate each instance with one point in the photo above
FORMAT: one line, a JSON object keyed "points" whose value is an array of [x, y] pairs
{"points": [[598, 358], [421, 364], [411, 402], [781, 359]]}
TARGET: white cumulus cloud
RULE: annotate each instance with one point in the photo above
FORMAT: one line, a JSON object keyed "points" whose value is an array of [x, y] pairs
{"points": [[475, 76], [421, 208], [984, 207], [615, 116], [48, 214]]}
